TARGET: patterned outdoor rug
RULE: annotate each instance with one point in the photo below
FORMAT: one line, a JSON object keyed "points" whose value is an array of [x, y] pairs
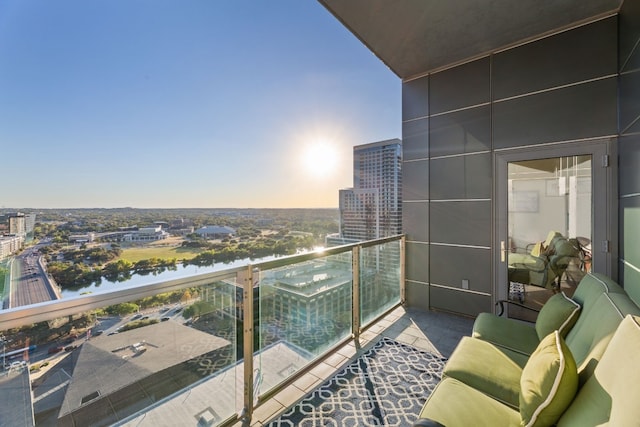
{"points": [[386, 386]]}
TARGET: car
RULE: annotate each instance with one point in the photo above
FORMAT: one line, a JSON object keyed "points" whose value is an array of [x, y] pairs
{"points": [[98, 332], [71, 338], [55, 349], [165, 318], [144, 318], [136, 316], [113, 333], [178, 310], [18, 365], [70, 348]]}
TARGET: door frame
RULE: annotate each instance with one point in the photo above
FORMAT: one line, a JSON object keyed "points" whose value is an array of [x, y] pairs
{"points": [[604, 212]]}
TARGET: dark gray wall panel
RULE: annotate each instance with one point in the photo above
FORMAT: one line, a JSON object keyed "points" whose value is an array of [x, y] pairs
{"points": [[629, 247], [581, 111], [634, 128], [452, 264], [459, 87], [629, 99], [461, 177], [631, 280], [630, 222], [415, 98], [465, 131], [415, 139], [462, 223], [458, 301], [629, 35], [415, 180], [417, 262], [629, 164], [417, 295], [415, 220], [581, 54]]}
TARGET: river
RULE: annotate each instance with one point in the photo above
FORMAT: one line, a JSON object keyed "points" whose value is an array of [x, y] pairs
{"points": [[179, 272]]}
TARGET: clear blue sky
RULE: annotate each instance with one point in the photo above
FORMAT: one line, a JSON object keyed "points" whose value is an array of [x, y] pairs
{"points": [[209, 103]]}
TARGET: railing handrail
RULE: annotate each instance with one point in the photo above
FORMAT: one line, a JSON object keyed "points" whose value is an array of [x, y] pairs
{"points": [[44, 311]]}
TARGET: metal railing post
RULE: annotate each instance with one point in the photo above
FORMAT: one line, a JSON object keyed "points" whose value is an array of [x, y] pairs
{"points": [[403, 295], [355, 306], [247, 337]]}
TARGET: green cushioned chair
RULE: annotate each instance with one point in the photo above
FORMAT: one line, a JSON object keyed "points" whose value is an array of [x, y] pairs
{"points": [[611, 396], [545, 263], [558, 313], [496, 369], [488, 384], [547, 384]]}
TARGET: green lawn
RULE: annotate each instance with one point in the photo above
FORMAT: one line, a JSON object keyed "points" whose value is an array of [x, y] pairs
{"points": [[163, 252]]}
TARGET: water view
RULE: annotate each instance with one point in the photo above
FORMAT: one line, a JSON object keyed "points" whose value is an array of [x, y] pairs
{"points": [[180, 271]]}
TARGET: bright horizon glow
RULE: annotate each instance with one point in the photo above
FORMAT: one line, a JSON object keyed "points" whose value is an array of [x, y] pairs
{"points": [[210, 104]]}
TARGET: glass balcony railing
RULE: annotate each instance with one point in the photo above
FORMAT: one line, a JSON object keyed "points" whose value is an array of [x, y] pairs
{"points": [[207, 349]]}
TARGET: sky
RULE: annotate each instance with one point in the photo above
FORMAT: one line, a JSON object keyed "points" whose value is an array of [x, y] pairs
{"points": [[180, 104]]}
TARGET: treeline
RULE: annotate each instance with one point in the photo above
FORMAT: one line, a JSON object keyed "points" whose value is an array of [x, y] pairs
{"points": [[79, 269], [78, 275], [259, 248], [60, 223]]}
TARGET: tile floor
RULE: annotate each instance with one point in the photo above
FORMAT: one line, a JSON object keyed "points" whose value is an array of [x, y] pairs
{"points": [[430, 331]]}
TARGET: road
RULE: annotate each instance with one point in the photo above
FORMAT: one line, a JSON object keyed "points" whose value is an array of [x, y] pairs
{"points": [[29, 285]]}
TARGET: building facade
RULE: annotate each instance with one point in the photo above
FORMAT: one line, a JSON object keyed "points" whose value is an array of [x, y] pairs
{"points": [[21, 224], [17, 224], [10, 245], [373, 207], [484, 89], [215, 232]]}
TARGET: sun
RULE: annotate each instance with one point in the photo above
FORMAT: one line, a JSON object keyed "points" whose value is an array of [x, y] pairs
{"points": [[320, 158]]}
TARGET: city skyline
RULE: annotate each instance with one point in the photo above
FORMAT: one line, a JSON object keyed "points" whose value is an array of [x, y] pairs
{"points": [[232, 104]]}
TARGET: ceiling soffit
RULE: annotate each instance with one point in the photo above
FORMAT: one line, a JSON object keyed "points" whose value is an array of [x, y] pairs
{"points": [[414, 37]]}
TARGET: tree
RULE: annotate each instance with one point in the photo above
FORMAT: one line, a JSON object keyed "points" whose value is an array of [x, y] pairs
{"points": [[122, 309], [186, 296]]}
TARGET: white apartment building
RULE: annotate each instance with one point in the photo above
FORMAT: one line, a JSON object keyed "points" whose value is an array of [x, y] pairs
{"points": [[10, 245]]}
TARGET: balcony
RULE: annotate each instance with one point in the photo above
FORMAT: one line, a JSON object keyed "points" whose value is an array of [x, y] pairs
{"points": [[216, 349]]}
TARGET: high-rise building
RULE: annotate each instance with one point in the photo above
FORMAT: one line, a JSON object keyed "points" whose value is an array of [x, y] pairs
{"points": [[373, 207], [22, 224], [17, 224]]}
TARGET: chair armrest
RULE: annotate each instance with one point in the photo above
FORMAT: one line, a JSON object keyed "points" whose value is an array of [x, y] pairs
{"points": [[527, 262], [501, 302]]}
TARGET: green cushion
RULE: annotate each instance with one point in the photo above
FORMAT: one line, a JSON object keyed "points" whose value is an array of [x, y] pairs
{"points": [[558, 313], [491, 369], [549, 382], [590, 336], [509, 333], [526, 261], [611, 396], [454, 403]]}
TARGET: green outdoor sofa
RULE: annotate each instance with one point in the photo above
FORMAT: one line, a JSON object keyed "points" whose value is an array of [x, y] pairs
{"points": [[579, 365]]}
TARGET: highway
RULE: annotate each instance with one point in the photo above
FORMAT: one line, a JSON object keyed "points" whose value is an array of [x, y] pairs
{"points": [[29, 284]]}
